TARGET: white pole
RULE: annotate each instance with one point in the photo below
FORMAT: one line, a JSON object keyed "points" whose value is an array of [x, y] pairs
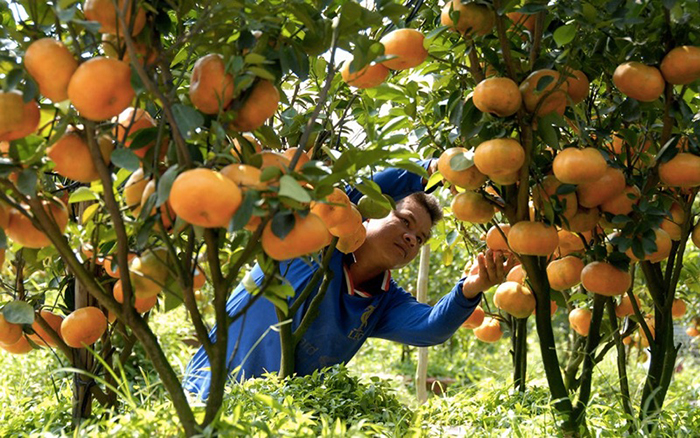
{"points": [[422, 296]]}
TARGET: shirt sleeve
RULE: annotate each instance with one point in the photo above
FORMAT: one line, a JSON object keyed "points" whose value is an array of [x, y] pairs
{"points": [[397, 183], [410, 322]]}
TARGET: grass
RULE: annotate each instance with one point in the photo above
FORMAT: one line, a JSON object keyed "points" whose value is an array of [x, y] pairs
{"points": [[373, 396]]}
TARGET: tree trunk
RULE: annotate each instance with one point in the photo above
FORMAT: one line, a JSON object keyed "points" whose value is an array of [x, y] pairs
{"points": [[82, 396], [519, 353], [540, 287]]}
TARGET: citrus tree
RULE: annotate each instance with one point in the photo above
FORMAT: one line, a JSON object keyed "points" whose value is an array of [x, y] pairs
{"points": [[154, 148]]}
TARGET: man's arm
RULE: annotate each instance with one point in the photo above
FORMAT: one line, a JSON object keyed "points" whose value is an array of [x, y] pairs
{"points": [[414, 323], [410, 322]]}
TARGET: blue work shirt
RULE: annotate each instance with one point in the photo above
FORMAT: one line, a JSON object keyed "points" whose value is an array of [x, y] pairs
{"points": [[345, 320]]}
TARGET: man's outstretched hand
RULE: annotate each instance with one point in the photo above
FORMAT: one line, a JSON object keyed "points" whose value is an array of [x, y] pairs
{"points": [[492, 270]]}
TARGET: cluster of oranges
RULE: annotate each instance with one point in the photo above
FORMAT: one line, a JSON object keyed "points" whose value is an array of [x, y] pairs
{"points": [[404, 48], [81, 328]]}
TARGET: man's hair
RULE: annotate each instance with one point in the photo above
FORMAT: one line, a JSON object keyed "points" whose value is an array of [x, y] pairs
{"points": [[430, 203]]}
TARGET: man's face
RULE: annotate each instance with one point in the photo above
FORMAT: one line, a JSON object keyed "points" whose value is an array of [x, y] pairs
{"points": [[392, 242]]}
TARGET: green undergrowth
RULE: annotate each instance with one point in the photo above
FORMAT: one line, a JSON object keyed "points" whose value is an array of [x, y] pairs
{"points": [[374, 395]]}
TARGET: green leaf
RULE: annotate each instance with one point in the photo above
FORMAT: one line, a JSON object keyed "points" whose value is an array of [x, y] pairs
{"points": [[82, 194], [290, 188], [18, 312], [564, 34], [434, 180], [461, 161], [142, 138], [126, 159], [244, 212], [165, 183], [548, 133], [26, 183], [262, 73], [188, 119], [282, 224], [543, 82]]}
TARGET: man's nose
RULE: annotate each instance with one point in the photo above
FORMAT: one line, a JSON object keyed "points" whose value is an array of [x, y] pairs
{"points": [[411, 239]]}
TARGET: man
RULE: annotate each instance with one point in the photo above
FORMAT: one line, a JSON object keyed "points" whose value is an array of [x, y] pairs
{"points": [[361, 300]]}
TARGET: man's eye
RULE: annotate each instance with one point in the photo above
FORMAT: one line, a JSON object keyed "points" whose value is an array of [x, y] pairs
{"points": [[420, 241], [405, 221]]}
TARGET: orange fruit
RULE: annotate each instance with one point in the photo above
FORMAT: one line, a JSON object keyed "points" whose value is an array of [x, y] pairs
{"points": [[498, 96], [29, 124], [663, 248], [237, 149], [469, 178], [605, 279], [308, 235], [515, 299], [406, 45], [618, 145], [622, 203], [142, 305], [517, 274], [475, 319], [205, 198], [101, 88], [593, 193], [20, 347], [244, 176], [167, 216], [579, 166], [51, 65], [542, 194], [71, 153], [533, 238], [105, 13], [274, 159], [569, 243], [552, 308], [335, 210], [673, 224], [489, 331], [368, 77], [506, 179], [580, 320], [579, 86], [261, 104], [472, 18], [289, 155], [520, 19], [472, 207], [131, 121], [639, 81], [149, 272], [692, 332], [11, 112], [681, 65], [198, 279], [683, 171], [21, 230], [112, 268], [349, 225], [211, 88], [9, 332], [678, 308], [83, 327], [112, 47], [352, 242], [625, 307], [41, 337], [499, 157], [564, 273], [554, 94], [494, 238], [133, 189]]}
